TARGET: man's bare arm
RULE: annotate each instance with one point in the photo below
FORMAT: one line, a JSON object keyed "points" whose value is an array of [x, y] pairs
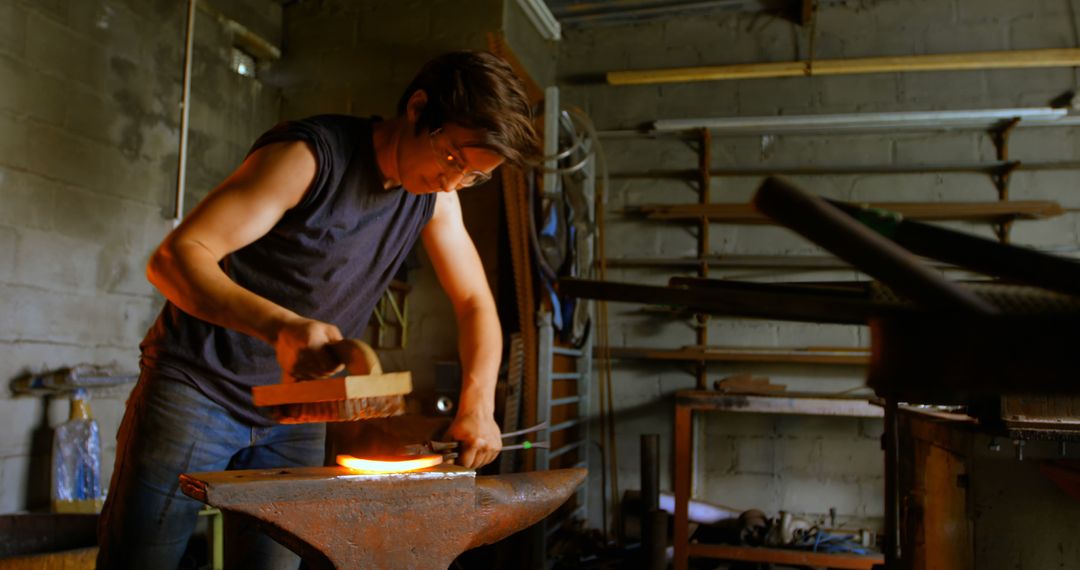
{"points": [[461, 274], [242, 209]]}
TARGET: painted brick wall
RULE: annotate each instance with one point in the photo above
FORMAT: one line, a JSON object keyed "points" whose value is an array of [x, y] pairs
{"points": [[804, 465], [89, 131]]}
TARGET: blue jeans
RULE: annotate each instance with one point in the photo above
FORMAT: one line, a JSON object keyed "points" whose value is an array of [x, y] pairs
{"points": [[171, 428]]}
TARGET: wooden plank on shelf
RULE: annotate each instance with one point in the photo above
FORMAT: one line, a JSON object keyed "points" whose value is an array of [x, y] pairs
{"points": [[985, 168], [725, 261], [1016, 59], [764, 301], [804, 355], [847, 288], [834, 170], [786, 556], [748, 384], [745, 213], [786, 403]]}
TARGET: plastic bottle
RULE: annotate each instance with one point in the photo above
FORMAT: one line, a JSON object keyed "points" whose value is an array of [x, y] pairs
{"points": [[77, 460]]}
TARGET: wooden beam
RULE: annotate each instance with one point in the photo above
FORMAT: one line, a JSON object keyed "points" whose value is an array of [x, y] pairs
{"points": [[970, 211], [1020, 59]]}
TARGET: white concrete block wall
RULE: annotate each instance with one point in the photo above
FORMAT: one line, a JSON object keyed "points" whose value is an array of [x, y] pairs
{"points": [[805, 465], [89, 117]]}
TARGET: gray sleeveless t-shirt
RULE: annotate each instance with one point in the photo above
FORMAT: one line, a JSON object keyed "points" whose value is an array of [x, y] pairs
{"points": [[330, 258]]}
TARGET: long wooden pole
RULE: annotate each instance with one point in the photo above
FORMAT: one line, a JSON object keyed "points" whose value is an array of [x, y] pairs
{"points": [[1065, 57]]}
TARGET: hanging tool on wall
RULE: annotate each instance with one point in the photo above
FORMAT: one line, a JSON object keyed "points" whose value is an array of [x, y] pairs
{"points": [[560, 225]]}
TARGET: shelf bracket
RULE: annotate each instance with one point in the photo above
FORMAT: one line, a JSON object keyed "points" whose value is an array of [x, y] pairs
{"points": [[1001, 177]]}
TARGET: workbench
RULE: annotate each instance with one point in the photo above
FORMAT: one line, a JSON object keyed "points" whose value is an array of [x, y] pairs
{"points": [[689, 401]]}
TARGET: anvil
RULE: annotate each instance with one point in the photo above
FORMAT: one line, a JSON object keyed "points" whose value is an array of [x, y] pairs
{"points": [[337, 518]]}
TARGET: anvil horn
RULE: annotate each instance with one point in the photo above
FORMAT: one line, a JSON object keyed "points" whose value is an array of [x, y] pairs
{"points": [[506, 504]]}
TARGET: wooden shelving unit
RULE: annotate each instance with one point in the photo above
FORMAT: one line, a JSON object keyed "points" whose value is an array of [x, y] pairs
{"points": [[689, 401]]}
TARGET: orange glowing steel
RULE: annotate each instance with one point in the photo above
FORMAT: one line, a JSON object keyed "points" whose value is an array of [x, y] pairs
{"points": [[389, 465]]}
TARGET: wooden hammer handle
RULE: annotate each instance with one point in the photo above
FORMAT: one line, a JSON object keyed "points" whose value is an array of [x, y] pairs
{"points": [[357, 356]]}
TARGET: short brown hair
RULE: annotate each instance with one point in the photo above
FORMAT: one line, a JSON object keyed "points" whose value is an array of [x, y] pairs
{"points": [[477, 90]]}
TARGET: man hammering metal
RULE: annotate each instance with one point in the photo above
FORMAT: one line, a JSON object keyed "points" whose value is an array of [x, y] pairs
{"points": [[285, 259]]}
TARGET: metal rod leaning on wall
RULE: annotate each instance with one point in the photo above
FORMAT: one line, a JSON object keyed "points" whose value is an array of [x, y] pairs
{"points": [[185, 105]]}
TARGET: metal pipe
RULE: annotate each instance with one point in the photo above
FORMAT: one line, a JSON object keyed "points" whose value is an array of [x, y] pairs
{"points": [[551, 139], [541, 17], [984, 118], [256, 45], [653, 520], [650, 471], [185, 105], [891, 444]]}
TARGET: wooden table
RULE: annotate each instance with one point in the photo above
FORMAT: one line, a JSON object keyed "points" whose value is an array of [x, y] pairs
{"points": [[686, 402]]}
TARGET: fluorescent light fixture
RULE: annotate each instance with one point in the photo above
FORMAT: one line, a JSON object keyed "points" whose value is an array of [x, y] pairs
{"points": [[986, 118], [542, 18]]}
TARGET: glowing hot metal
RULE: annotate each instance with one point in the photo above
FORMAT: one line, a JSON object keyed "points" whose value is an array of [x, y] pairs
{"points": [[390, 465]]}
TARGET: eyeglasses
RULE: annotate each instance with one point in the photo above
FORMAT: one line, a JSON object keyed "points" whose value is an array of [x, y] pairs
{"points": [[449, 158]]}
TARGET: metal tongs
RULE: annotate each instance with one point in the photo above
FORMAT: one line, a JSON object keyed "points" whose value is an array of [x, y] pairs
{"points": [[448, 449]]}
